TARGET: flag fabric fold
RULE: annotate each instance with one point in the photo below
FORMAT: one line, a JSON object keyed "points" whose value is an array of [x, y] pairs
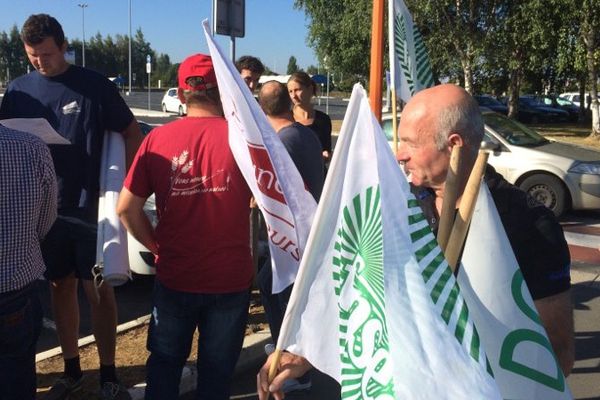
{"points": [[287, 206], [518, 348], [397, 326], [111, 243], [410, 69]]}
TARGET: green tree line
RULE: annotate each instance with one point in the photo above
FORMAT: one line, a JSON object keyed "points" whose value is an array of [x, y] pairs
{"points": [[106, 55], [501, 47]]}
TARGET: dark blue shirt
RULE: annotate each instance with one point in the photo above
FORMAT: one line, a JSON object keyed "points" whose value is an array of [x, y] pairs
{"points": [[81, 105], [305, 150]]}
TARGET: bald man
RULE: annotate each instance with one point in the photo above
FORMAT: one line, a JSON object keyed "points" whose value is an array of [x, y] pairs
{"points": [[441, 117], [433, 122]]}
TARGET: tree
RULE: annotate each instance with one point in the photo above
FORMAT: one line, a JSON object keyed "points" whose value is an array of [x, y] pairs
{"points": [[590, 34], [292, 65], [312, 70], [455, 32], [13, 60], [341, 31]]}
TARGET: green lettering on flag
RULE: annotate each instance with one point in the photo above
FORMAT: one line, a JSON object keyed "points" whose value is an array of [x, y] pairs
{"points": [[358, 276]]}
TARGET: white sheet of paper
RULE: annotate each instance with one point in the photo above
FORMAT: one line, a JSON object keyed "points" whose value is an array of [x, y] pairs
{"points": [[39, 127]]}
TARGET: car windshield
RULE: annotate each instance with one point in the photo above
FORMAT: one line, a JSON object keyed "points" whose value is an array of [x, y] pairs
{"points": [[530, 101], [512, 131], [487, 101], [564, 102]]}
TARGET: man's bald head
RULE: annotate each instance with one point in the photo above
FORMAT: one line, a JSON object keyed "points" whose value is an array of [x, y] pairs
{"points": [[274, 99], [447, 109]]}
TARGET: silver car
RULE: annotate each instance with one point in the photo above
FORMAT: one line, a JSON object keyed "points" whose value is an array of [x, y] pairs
{"points": [[561, 176]]}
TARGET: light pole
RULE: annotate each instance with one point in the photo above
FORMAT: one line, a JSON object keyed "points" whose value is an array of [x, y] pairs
{"points": [[83, 6], [129, 47]]}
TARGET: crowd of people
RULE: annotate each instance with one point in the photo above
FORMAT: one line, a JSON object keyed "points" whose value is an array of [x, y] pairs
{"points": [[204, 269]]}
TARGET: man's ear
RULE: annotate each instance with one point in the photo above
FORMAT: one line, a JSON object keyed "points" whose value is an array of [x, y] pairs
{"points": [[180, 95], [454, 139]]}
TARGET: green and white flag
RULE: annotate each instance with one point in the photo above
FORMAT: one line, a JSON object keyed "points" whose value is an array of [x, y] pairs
{"points": [[520, 353], [375, 305], [410, 69]]}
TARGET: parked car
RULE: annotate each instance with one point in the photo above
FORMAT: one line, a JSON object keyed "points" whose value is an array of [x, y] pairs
{"points": [[170, 103], [534, 111], [559, 175], [575, 98], [492, 103], [562, 103], [145, 127]]}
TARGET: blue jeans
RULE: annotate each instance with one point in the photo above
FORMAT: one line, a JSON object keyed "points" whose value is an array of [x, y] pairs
{"points": [[20, 326], [274, 304], [221, 322]]}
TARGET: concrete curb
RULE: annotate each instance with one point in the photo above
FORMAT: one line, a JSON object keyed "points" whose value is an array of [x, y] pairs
{"points": [[90, 339], [140, 112], [252, 351]]}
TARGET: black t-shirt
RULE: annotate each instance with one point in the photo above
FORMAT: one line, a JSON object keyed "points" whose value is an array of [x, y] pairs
{"points": [[322, 127], [535, 235], [80, 105]]}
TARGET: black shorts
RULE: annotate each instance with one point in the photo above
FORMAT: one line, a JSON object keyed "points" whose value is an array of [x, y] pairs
{"points": [[69, 247]]}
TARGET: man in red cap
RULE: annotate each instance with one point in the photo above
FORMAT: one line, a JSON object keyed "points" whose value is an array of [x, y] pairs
{"points": [[203, 262]]}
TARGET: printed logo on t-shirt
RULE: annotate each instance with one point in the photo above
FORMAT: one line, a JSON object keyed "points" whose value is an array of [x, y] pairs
{"points": [[71, 108], [184, 183]]}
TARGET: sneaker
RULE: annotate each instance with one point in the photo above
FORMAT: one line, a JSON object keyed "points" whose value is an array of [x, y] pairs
{"points": [[114, 391], [63, 388], [294, 385], [269, 348]]}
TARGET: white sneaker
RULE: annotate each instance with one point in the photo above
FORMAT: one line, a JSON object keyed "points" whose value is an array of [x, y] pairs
{"points": [[269, 348], [293, 385]]}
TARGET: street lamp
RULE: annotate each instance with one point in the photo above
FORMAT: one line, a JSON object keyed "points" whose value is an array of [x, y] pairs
{"points": [[129, 47], [83, 6]]}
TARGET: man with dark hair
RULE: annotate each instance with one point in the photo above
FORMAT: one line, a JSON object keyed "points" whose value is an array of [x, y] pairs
{"points": [[305, 150], [81, 105], [250, 69], [203, 263], [27, 211]]}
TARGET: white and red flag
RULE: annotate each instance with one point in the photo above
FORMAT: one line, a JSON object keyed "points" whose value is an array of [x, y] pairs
{"points": [[286, 204]]}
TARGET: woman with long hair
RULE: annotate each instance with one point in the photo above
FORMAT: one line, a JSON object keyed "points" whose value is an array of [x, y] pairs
{"points": [[302, 89]]}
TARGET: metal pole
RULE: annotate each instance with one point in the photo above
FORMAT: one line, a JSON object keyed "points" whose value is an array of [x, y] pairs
{"points": [[232, 49], [327, 99], [83, 6], [148, 90], [129, 47]]}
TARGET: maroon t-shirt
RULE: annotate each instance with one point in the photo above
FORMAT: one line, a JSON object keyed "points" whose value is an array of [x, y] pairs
{"points": [[202, 201]]}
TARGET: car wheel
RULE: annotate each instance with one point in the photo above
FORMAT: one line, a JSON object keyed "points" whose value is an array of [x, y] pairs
{"points": [[548, 190], [180, 111], [164, 107]]}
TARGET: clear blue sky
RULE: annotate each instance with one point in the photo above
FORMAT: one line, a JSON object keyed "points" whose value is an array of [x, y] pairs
{"points": [[274, 29]]}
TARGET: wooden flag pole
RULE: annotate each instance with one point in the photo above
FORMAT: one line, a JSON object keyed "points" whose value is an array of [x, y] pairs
{"points": [[376, 72], [465, 211], [274, 365], [450, 196]]}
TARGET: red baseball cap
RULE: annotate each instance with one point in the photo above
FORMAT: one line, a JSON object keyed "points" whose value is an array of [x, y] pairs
{"points": [[198, 65]]}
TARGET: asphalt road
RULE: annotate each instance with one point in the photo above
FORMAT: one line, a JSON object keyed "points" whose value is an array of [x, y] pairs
{"points": [[336, 107]]}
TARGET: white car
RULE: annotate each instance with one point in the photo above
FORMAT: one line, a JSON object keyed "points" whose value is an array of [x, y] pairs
{"points": [[170, 103], [575, 98], [561, 176]]}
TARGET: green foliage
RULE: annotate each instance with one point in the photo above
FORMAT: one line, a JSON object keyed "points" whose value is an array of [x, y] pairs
{"points": [[340, 30], [107, 55], [312, 70], [292, 65], [13, 60]]}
